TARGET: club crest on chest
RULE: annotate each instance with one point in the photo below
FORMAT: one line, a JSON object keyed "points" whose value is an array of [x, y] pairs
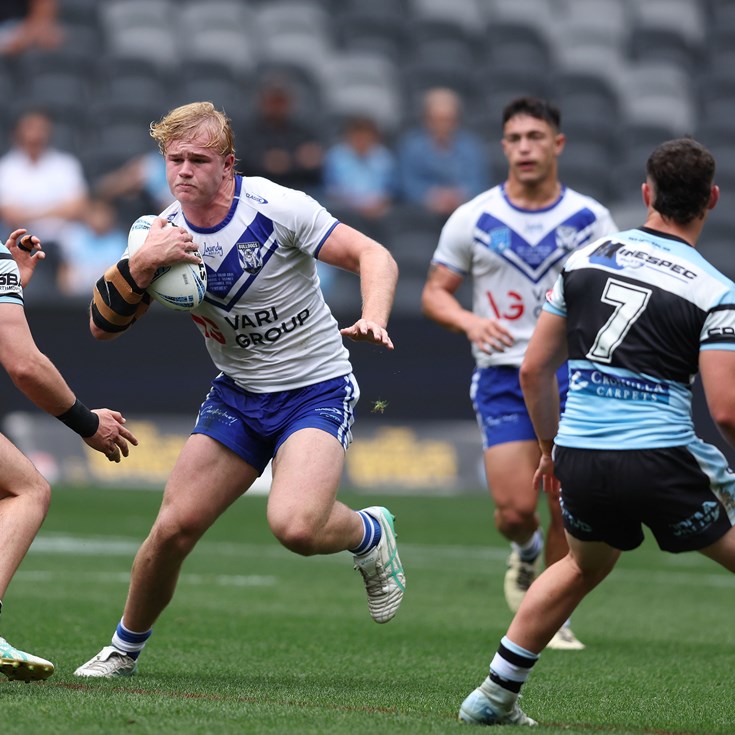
{"points": [[249, 256]]}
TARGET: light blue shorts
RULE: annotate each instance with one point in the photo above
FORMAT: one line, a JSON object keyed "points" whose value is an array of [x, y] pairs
{"points": [[254, 425]]}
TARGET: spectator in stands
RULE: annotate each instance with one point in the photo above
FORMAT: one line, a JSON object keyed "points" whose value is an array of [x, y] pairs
{"points": [[143, 176], [360, 170], [442, 165], [88, 246], [277, 144], [27, 24], [41, 188]]}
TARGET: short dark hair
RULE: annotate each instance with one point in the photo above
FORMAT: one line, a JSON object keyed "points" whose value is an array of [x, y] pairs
{"points": [[534, 107], [681, 172]]}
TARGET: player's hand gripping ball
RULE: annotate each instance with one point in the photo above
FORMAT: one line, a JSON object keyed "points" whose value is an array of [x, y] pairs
{"points": [[179, 286]]}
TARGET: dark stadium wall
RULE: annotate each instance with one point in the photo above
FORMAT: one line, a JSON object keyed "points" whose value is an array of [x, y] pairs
{"points": [[161, 367]]}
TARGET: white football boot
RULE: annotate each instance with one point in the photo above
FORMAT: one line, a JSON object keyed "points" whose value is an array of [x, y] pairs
{"points": [[107, 664], [381, 569], [479, 709], [565, 640], [518, 579]]}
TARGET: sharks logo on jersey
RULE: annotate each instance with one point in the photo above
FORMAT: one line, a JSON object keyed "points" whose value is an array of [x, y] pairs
{"points": [[614, 255]]}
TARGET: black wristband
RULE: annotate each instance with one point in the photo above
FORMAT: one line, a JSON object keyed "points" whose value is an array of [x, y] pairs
{"points": [[80, 419]]}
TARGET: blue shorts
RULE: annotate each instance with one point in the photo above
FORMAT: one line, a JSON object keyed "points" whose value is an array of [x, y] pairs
{"points": [[685, 495], [499, 406], [254, 425]]}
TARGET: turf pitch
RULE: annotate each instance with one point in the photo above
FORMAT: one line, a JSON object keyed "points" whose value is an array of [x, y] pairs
{"points": [[258, 640]]}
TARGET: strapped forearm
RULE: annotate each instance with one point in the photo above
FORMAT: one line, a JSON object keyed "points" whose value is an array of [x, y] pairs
{"points": [[80, 419], [118, 300]]}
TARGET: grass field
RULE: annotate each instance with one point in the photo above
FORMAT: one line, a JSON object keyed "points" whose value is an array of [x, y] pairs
{"points": [[259, 640]]}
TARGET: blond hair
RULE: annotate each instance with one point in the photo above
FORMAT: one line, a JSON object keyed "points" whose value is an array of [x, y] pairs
{"points": [[185, 122]]}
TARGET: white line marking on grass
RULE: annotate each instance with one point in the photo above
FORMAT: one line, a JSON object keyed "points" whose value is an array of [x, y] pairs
{"points": [[679, 569], [83, 546], [231, 580], [221, 580], [661, 576]]}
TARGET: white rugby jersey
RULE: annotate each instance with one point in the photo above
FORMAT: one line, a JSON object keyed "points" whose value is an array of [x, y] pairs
{"points": [[640, 306], [514, 256], [264, 318], [11, 290]]}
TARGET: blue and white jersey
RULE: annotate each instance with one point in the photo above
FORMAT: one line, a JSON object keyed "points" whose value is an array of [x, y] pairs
{"points": [[514, 256], [264, 318], [640, 306], [11, 290]]}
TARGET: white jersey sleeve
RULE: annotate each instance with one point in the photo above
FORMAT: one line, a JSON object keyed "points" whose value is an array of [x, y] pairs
{"points": [[264, 318]]}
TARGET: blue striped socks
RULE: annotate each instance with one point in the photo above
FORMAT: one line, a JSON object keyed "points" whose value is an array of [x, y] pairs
{"points": [[128, 642], [371, 534]]}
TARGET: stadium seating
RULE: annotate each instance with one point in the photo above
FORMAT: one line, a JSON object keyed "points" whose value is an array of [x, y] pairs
{"points": [[364, 84], [368, 28], [625, 74]]}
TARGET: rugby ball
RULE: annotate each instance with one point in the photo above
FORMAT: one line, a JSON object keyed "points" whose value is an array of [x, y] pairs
{"points": [[180, 286]]}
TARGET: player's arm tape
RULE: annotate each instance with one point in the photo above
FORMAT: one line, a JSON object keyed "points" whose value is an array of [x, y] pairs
{"points": [[80, 419], [118, 300]]}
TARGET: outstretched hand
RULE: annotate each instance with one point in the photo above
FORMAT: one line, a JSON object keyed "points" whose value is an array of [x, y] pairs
{"points": [[111, 438], [545, 479], [26, 251], [363, 330]]}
